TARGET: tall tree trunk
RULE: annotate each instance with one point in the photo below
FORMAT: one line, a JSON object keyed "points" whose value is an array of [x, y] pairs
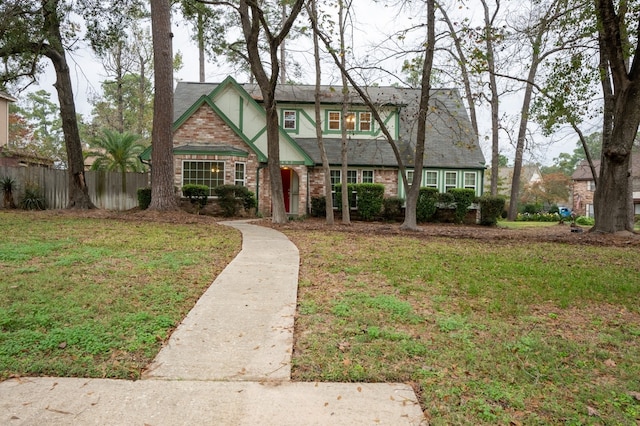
{"points": [[493, 85], [346, 207], [613, 196], [410, 217], [162, 193], [78, 190], [253, 19], [201, 59], [522, 134], [326, 170]]}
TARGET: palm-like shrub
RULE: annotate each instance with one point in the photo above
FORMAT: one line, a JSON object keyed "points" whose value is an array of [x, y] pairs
{"points": [[117, 152]]}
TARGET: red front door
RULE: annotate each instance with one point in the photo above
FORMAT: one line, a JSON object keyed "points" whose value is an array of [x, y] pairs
{"points": [[286, 188]]}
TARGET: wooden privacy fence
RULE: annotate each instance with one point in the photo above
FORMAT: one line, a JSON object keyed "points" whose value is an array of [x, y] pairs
{"points": [[105, 188]]}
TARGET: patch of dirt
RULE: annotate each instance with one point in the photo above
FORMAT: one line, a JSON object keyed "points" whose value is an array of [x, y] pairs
{"points": [[558, 233]]}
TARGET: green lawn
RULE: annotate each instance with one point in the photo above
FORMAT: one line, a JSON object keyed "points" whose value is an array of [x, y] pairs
{"points": [[96, 298], [488, 333], [495, 332]]}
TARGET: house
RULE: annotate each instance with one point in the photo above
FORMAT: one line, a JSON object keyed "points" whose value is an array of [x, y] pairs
{"points": [[584, 187], [5, 100], [10, 154], [220, 138], [530, 175]]}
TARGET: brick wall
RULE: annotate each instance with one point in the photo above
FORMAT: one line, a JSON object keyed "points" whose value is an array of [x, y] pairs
{"points": [[581, 197]]}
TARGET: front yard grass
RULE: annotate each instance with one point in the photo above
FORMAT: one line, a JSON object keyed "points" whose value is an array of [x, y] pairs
{"points": [[96, 298], [487, 333]]}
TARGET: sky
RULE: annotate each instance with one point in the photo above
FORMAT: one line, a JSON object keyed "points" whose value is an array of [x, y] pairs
{"points": [[370, 24]]}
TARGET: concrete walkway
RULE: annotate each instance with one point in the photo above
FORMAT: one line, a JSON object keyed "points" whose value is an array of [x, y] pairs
{"points": [[228, 363]]}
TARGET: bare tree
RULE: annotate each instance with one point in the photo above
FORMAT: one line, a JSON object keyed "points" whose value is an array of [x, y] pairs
{"points": [[162, 192], [313, 13], [346, 118]]}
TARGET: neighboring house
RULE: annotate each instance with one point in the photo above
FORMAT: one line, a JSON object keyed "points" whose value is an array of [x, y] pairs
{"points": [[529, 175], [584, 186], [220, 138], [13, 156], [5, 100]]}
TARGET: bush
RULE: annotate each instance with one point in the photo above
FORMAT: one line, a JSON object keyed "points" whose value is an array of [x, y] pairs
{"points": [[197, 194], [144, 197], [8, 184], [427, 204], [463, 198], [532, 208], [392, 207], [491, 208], [370, 197], [318, 206], [586, 221], [231, 196], [33, 198], [538, 217]]}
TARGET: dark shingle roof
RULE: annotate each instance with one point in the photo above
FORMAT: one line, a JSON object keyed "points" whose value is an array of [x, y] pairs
{"points": [[450, 140]]}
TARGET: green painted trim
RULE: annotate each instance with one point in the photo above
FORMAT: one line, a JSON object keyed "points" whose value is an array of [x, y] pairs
{"points": [[245, 96], [188, 113], [241, 113], [258, 135], [308, 117]]}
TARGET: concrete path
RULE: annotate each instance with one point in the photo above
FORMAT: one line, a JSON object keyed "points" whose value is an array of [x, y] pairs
{"points": [[228, 363]]}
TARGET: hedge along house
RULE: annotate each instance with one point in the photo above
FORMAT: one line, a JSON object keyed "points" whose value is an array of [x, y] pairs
{"points": [[220, 139]]}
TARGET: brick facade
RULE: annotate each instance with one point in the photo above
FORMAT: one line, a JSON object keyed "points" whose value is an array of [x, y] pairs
{"points": [[582, 196], [205, 127]]}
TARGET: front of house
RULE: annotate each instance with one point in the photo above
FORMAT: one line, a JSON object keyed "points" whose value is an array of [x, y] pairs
{"points": [[220, 138], [584, 186]]}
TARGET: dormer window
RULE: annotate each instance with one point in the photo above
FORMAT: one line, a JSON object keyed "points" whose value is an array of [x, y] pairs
{"points": [[364, 121]]}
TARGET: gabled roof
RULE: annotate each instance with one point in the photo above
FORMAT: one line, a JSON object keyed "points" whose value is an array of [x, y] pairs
{"points": [[583, 171], [450, 140]]}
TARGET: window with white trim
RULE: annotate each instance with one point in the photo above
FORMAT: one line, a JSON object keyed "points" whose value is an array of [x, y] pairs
{"points": [[290, 120], [431, 177], [240, 175], [409, 177], [450, 180], [335, 120], [470, 180], [364, 121], [210, 173], [591, 185], [589, 210], [335, 179], [367, 176], [352, 177]]}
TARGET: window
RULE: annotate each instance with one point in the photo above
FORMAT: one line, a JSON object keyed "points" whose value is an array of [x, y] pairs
{"points": [[589, 210], [290, 120], [352, 177], [350, 119], [334, 120], [367, 176], [450, 180], [335, 179], [409, 177], [591, 185], [364, 121], [210, 173], [432, 179], [470, 180], [240, 174]]}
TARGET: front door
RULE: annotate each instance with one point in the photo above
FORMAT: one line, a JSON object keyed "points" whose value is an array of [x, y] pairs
{"points": [[286, 188]]}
